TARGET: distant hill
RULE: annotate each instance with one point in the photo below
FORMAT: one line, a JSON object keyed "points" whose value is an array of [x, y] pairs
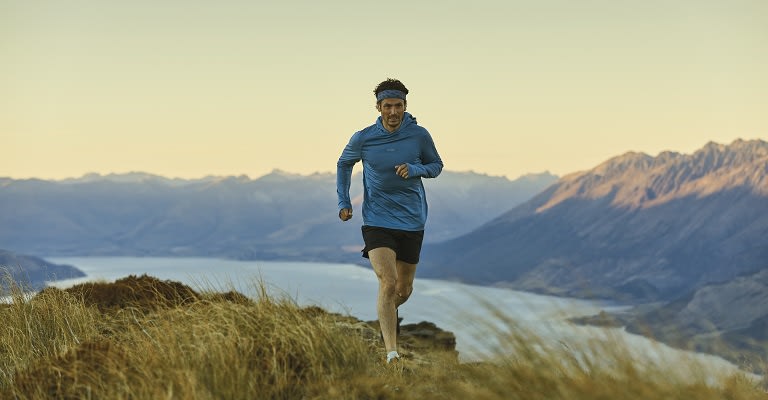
{"points": [[713, 308], [729, 319], [635, 228], [32, 272], [277, 216]]}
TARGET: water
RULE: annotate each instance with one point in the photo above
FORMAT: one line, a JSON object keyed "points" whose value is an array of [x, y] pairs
{"points": [[467, 311]]}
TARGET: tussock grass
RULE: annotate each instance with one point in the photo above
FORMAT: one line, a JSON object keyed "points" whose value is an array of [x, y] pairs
{"points": [[141, 338]]}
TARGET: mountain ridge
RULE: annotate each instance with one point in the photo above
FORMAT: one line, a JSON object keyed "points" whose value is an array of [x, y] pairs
{"points": [[142, 176], [670, 175], [277, 216]]}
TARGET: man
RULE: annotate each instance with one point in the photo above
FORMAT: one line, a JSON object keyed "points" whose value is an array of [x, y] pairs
{"points": [[396, 154]]}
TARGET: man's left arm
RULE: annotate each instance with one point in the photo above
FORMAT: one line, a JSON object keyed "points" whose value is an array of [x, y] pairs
{"points": [[431, 164]]}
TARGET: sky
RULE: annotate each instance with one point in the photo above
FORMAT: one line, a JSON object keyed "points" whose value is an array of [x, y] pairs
{"points": [[195, 88]]}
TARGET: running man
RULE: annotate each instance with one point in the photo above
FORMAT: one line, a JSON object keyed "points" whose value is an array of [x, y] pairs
{"points": [[396, 154]]}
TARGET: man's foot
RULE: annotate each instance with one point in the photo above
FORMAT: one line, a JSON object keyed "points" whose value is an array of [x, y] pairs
{"points": [[393, 357]]}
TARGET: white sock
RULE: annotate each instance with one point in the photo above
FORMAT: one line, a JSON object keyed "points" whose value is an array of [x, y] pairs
{"points": [[392, 355]]}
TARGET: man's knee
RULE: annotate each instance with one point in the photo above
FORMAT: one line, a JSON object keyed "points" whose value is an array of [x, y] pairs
{"points": [[404, 292], [387, 286]]}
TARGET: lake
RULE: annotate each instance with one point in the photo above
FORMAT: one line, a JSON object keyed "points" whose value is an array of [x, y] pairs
{"points": [[466, 310]]}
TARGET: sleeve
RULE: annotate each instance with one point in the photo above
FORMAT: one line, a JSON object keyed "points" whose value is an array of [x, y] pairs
{"points": [[349, 157], [431, 164]]}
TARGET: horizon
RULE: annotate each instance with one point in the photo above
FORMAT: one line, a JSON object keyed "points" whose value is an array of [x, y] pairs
{"points": [[250, 177], [505, 88], [357, 169]]}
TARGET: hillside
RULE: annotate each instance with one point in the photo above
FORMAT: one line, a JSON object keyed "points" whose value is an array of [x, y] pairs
{"points": [[636, 228], [277, 216], [32, 272], [725, 318], [142, 338]]}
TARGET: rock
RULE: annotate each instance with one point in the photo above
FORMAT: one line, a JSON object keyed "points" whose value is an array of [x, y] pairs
{"points": [[421, 342]]}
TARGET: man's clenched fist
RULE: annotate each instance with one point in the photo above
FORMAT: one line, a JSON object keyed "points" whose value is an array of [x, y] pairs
{"points": [[345, 214], [402, 170]]}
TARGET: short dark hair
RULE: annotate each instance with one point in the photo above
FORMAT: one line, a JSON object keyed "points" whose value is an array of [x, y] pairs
{"points": [[390, 84]]}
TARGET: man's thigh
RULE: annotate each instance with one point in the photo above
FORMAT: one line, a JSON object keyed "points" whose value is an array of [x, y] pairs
{"points": [[384, 263]]}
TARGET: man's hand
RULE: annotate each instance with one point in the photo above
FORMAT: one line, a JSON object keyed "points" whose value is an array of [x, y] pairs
{"points": [[402, 170], [345, 214]]}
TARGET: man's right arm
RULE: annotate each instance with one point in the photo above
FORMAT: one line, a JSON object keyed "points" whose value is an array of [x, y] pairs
{"points": [[349, 157]]}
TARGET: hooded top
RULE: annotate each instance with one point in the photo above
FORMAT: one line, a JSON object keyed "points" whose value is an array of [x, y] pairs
{"points": [[389, 201]]}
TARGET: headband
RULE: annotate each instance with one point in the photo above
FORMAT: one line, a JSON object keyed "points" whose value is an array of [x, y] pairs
{"points": [[390, 94]]}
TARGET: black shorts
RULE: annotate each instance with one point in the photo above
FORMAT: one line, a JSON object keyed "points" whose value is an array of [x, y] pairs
{"points": [[406, 244]]}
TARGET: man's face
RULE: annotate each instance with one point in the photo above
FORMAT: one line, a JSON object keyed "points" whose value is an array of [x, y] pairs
{"points": [[392, 111]]}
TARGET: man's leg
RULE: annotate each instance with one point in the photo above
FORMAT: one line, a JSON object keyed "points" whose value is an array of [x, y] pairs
{"points": [[384, 263], [404, 287]]}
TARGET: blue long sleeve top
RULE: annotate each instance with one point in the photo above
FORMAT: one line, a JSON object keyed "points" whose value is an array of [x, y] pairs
{"points": [[389, 201]]}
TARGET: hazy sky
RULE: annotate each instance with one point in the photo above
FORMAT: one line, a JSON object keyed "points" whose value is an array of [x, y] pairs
{"points": [[194, 88]]}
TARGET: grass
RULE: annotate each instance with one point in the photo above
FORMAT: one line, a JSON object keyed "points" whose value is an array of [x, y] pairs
{"points": [[141, 338]]}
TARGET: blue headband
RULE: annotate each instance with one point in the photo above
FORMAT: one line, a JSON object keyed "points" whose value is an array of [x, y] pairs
{"points": [[390, 94]]}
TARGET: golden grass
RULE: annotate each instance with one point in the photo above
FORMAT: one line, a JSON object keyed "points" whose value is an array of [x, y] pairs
{"points": [[187, 345]]}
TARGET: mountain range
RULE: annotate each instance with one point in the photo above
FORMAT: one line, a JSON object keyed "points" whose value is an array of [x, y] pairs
{"points": [[635, 226], [277, 216]]}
